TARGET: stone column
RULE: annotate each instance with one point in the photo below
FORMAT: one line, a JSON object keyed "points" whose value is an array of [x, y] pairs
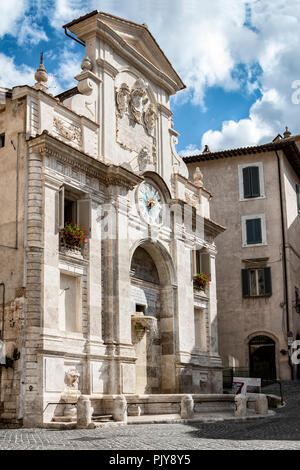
{"points": [[84, 412], [240, 405], [32, 378], [261, 404], [120, 409], [187, 407]]}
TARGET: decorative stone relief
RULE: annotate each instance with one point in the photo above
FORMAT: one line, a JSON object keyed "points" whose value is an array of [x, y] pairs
{"points": [[150, 118], [68, 131], [138, 99], [144, 158], [133, 108], [72, 378], [198, 178], [123, 96], [191, 198]]}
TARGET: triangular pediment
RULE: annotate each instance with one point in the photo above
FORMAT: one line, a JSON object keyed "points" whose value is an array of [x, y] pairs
{"points": [[130, 37]]}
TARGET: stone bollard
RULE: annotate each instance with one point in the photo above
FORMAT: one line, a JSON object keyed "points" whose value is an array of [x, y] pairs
{"points": [[240, 405], [261, 405], [120, 409], [187, 407], [84, 412]]}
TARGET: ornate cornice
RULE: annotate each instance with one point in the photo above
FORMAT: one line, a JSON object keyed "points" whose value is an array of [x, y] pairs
{"points": [[49, 146]]}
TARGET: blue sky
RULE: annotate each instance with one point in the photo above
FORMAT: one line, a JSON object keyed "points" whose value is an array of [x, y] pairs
{"points": [[238, 59]]}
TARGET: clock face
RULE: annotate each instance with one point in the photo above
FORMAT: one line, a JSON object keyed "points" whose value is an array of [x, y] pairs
{"points": [[150, 203]]}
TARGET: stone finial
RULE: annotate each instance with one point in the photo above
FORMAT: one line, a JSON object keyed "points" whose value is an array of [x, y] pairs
{"points": [[206, 149], [286, 133], [41, 76], [86, 64], [198, 178]]}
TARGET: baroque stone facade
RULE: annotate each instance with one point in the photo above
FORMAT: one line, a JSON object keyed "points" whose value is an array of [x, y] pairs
{"points": [[119, 314]]}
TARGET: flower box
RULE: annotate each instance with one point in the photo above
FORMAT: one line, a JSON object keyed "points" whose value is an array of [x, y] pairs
{"points": [[72, 239], [201, 281]]}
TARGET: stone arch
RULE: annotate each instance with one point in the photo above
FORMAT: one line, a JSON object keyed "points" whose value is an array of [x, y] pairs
{"points": [[262, 354], [161, 258], [153, 292]]}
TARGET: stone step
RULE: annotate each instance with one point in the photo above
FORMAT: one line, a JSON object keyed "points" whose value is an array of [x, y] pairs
{"points": [[64, 419], [102, 418]]}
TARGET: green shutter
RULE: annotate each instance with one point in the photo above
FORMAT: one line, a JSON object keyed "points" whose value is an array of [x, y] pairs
{"points": [[246, 282], [247, 182], [268, 281], [253, 230], [298, 197], [254, 174], [251, 182]]}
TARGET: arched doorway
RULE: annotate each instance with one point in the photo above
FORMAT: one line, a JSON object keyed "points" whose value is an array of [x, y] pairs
{"points": [[262, 357], [152, 319]]}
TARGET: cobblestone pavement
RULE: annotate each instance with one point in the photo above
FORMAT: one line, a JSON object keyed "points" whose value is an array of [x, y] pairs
{"points": [[281, 431]]}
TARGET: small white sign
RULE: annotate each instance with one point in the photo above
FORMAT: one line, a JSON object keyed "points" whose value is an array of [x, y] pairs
{"points": [[246, 385]]}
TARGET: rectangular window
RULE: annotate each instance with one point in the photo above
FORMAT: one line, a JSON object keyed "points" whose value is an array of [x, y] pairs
{"points": [[2, 140], [73, 207], [201, 262], [251, 182], [256, 282], [253, 229]]}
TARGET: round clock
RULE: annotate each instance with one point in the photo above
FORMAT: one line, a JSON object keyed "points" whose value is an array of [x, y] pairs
{"points": [[150, 203]]}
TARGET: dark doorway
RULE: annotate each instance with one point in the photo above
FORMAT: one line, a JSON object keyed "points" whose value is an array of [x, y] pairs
{"points": [[262, 358]]}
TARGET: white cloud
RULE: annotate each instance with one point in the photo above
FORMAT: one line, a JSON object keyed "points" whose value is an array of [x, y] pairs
{"points": [[11, 12], [191, 149], [12, 75], [30, 33], [17, 75], [67, 10]]}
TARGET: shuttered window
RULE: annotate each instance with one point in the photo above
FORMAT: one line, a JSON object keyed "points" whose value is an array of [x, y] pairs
{"points": [[253, 231], [251, 182], [73, 209], [256, 282]]}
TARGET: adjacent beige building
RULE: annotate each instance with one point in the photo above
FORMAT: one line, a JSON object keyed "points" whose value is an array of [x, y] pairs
{"points": [[120, 314], [256, 195]]}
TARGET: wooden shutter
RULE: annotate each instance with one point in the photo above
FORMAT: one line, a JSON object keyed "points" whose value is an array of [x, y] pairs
{"points": [[84, 215], [254, 178], [247, 182], [268, 281], [253, 230], [246, 282], [251, 182], [61, 208]]}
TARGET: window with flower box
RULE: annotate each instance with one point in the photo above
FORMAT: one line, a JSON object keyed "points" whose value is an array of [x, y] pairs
{"points": [[74, 216]]}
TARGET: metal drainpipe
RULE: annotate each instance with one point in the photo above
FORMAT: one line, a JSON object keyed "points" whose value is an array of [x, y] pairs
{"points": [[286, 297]]}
